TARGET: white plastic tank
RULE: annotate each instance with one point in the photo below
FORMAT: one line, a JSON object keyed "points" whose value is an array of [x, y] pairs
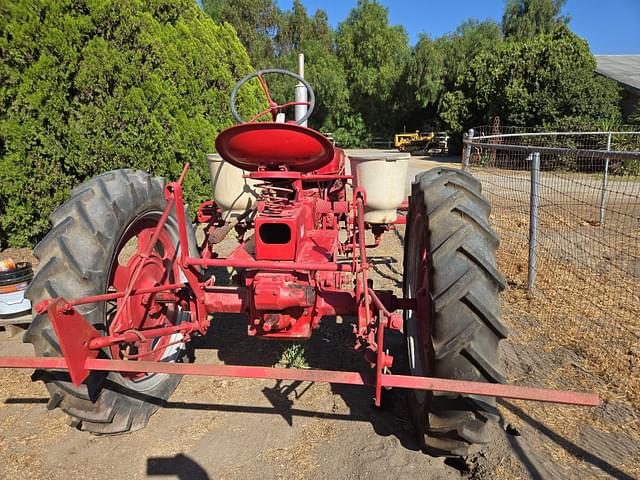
{"points": [[14, 280], [233, 193], [383, 175]]}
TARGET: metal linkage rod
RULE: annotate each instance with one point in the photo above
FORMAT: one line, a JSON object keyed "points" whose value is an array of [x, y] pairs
{"points": [[350, 378], [270, 265], [107, 297]]}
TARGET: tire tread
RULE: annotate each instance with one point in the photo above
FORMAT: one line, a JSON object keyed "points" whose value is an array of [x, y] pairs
{"points": [[465, 283], [75, 257]]}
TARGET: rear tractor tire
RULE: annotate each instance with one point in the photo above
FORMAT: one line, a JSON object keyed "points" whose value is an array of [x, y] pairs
{"points": [[105, 221], [450, 268]]}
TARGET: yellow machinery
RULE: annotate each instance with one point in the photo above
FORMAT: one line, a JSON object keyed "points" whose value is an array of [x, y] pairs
{"points": [[422, 143], [410, 142]]}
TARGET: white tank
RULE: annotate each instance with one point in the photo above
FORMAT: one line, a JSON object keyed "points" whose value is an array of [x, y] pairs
{"points": [[233, 193], [383, 175]]}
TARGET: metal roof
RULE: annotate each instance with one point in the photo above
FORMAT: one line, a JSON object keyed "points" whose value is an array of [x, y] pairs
{"points": [[624, 69]]}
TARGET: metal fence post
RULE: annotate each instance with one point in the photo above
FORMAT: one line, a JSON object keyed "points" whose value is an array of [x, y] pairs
{"points": [[533, 220], [605, 178], [466, 153]]}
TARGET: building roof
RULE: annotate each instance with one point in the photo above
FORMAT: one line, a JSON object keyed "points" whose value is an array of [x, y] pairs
{"points": [[624, 69]]}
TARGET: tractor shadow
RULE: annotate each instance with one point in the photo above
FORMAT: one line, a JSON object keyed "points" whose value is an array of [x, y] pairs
{"points": [[330, 348], [179, 466]]}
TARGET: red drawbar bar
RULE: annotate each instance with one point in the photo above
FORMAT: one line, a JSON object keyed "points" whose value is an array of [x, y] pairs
{"points": [[351, 378]]}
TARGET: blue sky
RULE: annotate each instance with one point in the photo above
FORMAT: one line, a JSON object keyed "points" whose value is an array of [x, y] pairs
{"points": [[610, 26]]}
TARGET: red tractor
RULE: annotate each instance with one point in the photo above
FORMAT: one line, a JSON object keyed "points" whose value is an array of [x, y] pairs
{"points": [[123, 286]]}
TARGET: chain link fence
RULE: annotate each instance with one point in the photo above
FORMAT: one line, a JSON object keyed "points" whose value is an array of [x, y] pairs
{"points": [[567, 208]]}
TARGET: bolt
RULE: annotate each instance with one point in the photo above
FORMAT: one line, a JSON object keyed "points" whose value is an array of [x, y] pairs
{"points": [[67, 308], [395, 321]]}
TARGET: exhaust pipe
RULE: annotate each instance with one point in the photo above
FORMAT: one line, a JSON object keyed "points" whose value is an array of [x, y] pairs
{"points": [[301, 92]]}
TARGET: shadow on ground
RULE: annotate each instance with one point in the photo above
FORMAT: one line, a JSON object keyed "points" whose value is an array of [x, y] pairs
{"points": [[532, 465], [179, 466], [330, 348]]}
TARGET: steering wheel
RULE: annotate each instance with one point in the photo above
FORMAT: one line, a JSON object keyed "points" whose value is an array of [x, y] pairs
{"points": [[274, 108]]}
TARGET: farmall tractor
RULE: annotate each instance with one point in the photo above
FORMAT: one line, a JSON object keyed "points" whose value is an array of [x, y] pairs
{"points": [[123, 286]]}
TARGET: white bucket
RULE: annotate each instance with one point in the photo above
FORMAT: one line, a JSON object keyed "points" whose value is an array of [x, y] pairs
{"points": [[233, 193], [383, 176]]}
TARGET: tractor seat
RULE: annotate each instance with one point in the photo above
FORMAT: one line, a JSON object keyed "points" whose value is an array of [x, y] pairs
{"points": [[274, 146]]}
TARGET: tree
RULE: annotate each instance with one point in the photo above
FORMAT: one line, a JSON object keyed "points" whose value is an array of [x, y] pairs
{"points": [[351, 131], [376, 82], [374, 55], [294, 28], [437, 70], [321, 30], [427, 70], [327, 77], [289, 33], [440, 65], [90, 86], [312, 36], [469, 39], [255, 21], [545, 81], [524, 19]]}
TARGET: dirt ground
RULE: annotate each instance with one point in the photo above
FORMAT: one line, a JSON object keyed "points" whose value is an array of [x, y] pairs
{"points": [[236, 428]]}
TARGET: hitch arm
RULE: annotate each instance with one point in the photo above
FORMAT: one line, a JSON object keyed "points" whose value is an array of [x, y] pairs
{"points": [[350, 378]]}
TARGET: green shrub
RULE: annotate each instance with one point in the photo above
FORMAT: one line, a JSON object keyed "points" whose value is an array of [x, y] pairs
{"points": [[93, 85], [351, 132]]}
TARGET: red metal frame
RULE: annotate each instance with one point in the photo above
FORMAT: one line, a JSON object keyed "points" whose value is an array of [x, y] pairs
{"points": [[286, 287], [350, 378]]}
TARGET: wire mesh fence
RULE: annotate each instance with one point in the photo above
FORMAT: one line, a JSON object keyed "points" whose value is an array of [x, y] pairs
{"points": [[567, 207]]}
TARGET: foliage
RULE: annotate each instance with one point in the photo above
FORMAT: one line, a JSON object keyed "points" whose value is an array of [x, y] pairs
{"points": [[294, 357], [370, 83], [350, 131], [326, 76], [312, 36], [438, 68], [274, 38], [470, 39], [526, 19], [634, 118], [255, 21], [296, 27], [426, 70], [546, 81], [94, 85], [374, 55]]}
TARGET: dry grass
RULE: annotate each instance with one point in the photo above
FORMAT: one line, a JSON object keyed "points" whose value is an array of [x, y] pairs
{"points": [[603, 327], [594, 314]]}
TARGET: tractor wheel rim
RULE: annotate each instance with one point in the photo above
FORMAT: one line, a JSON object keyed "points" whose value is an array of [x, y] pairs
{"points": [[419, 322], [143, 311]]}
